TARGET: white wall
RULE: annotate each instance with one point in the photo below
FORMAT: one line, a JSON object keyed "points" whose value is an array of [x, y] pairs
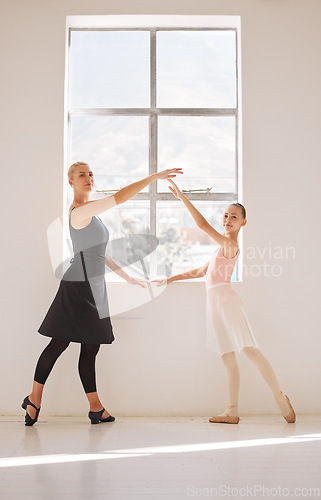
{"points": [[158, 364]]}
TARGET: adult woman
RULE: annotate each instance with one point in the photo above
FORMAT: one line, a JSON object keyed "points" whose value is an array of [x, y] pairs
{"points": [[228, 329], [79, 311]]}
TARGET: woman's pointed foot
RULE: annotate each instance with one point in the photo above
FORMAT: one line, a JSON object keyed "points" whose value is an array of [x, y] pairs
{"points": [[32, 417], [285, 407], [230, 416]]}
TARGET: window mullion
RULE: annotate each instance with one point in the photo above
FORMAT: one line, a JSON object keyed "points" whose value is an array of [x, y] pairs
{"points": [[153, 70], [153, 146]]}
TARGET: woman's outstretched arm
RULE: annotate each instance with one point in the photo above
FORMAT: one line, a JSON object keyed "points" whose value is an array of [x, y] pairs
{"points": [[200, 220], [95, 207], [111, 264]]}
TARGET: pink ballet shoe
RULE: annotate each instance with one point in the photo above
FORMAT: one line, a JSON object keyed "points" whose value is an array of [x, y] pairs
{"points": [[225, 419], [288, 414]]}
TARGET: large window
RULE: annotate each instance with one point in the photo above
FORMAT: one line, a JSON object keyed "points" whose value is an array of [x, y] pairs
{"points": [[145, 99]]}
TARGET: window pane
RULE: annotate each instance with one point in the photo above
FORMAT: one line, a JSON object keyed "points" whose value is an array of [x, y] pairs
{"points": [[183, 246], [110, 69], [129, 229], [203, 146], [116, 148], [196, 69]]}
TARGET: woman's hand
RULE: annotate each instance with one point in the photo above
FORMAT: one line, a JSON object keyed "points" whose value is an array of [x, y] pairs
{"points": [[164, 281], [167, 174], [176, 192], [134, 281]]}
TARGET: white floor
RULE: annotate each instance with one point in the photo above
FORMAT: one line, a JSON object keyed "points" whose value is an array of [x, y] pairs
{"points": [[160, 458]]}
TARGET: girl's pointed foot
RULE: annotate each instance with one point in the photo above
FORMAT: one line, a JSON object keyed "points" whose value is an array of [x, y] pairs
{"points": [[230, 416], [285, 407]]}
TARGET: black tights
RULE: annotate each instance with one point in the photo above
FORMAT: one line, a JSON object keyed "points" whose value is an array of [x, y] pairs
{"points": [[86, 363]]}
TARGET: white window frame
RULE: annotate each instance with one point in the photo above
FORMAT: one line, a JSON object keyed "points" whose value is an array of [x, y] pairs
{"points": [[154, 23]]}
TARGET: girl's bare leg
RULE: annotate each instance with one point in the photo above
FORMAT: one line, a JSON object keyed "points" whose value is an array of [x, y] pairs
{"points": [[255, 355], [233, 384]]}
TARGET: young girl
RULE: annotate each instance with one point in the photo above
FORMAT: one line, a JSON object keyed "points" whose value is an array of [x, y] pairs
{"points": [[228, 329]]}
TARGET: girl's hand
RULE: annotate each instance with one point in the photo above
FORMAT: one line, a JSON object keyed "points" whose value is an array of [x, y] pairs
{"points": [[176, 192], [134, 281], [167, 174], [164, 281]]}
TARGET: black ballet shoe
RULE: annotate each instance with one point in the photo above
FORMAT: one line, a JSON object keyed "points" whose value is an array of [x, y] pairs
{"points": [[28, 420], [95, 417]]}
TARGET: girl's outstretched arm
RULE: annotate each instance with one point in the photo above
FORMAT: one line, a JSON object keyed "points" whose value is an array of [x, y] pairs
{"points": [[199, 272], [200, 220]]}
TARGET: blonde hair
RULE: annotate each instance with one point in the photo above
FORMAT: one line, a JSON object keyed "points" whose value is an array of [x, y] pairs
{"points": [[72, 167]]}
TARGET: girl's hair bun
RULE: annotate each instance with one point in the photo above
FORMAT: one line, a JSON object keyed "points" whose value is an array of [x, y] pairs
{"points": [[242, 207]]}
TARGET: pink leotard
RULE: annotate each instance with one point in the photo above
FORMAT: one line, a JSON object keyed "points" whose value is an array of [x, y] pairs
{"points": [[220, 268]]}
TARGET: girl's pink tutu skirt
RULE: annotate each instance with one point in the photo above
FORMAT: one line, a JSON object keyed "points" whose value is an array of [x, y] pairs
{"points": [[227, 326]]}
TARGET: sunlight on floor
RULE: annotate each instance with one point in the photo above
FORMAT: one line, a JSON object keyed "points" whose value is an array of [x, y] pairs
{"points": [[140, 452]]}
